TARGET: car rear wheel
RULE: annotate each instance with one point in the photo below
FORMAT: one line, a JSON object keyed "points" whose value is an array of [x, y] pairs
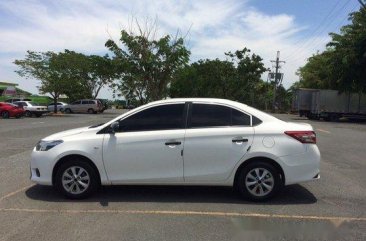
{"points": [[76, 179], [28, 113], [5, 114], [68, 111], [91, 111], [259, 181]]}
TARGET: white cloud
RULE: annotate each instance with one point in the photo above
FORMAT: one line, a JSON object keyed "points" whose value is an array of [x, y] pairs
{"points": [[215, 27]]}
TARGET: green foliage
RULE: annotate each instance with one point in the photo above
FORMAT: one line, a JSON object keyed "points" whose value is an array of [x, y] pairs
{"points": [[73, 74], [343, 65], [238, 79], [146, 67]]}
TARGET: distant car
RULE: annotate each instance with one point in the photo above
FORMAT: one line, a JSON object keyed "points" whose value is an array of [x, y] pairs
{"points": [[32, 108], [84, 106], [60, 106], [8, 110], [16, 99]]}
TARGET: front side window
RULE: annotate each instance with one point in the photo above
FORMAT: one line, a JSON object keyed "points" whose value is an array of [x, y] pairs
{"points": [[76, 102], [208, 115], [164, 117]]}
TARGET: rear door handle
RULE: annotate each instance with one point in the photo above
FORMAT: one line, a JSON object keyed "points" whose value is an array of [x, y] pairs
{"points": [[173, 143], [236, 140]]}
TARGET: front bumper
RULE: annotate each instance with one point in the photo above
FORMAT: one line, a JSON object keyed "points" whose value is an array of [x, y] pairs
{"points": [[41, 167]]}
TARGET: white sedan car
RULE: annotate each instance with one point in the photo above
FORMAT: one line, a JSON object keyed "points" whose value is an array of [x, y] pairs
{"points": [[181, 142], [59, 105]]}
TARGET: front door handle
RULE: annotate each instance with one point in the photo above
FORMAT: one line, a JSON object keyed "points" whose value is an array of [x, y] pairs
{"points": [[173, 143], [236, 140]]}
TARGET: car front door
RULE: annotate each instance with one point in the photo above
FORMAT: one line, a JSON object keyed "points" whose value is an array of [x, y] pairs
{"points": [[148, 146], [217, 137]]}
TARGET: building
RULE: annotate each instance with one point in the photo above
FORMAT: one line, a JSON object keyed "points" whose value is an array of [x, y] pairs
{"points": [[11, 90]]}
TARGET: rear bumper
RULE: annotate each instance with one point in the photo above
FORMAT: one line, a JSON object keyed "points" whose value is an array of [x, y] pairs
{"points": [[302, 167]]}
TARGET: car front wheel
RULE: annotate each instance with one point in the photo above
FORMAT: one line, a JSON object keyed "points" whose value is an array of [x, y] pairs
{"points": [[259, 181], [76, 179], [28, 113]]}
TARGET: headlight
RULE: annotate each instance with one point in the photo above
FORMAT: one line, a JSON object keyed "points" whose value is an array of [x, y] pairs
{"points": [[46, 145]]}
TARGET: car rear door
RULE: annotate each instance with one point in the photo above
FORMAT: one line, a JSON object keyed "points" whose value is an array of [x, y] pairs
{"points": [[148, 146], [217, 137]]}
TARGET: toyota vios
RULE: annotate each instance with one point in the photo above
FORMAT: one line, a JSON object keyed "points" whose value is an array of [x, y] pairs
{"points": [[181, 142]]}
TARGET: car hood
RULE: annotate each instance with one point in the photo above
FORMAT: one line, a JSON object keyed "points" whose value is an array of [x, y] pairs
{"points": [[60, 135]]}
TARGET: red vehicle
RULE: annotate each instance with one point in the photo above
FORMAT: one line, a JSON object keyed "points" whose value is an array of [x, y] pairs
{"points": [[8, 110]]}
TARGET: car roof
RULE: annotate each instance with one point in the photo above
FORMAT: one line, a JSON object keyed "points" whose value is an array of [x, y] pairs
{"points": [[251, 110]]}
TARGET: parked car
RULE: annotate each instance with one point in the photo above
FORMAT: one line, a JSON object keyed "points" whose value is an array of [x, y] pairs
{"points": [[8, 110], [60, 106], [32, 108], [17, 99], [84, 106], [182, 142]]}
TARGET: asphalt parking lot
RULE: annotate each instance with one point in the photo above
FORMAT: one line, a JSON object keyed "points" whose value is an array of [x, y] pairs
{"points": [[332, 208]]}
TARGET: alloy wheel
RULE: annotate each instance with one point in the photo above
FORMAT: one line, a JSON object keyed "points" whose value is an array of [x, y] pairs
{"points": [[259, 182], [75, 180]]}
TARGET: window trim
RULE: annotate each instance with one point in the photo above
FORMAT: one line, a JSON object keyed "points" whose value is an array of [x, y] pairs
{"points": [[220, 104]]}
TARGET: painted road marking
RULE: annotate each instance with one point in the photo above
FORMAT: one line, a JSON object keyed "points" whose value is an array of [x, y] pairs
{"points": [[328, 132], [15, 192], [185, 213]]}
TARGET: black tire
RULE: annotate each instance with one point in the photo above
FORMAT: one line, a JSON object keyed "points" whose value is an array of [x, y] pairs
{"points": [[38, 115], [62, 110], [244, 174], [93, 179], [91, 111], [68, 111], [5, 115], [28, 113], [18, 116]]}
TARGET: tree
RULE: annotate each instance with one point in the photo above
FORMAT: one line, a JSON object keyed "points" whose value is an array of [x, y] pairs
{"points": [[238, 78], [146, 65], [86, 74], [45, 67], [205, 78], [342, 66], [249, 68]]}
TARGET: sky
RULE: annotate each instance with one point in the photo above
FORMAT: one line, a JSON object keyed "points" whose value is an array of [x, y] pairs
{"points": [[296, 28]]}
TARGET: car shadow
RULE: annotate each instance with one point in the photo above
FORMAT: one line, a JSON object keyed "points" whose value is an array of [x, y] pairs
{"points": [[293, 194]]}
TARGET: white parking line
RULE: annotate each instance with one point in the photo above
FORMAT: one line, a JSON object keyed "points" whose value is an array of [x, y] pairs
{"points": [[186, 213], [328, 132]]}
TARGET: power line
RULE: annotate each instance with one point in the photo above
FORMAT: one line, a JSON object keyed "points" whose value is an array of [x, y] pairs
{"points": [[317, 43], [322, 30], [313, 41]]}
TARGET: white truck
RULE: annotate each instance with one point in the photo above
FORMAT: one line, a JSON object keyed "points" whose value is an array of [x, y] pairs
{"points": [[330, 105]]}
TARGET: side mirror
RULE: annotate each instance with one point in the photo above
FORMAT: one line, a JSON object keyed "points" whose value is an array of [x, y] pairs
{"points": [[114, 127]]}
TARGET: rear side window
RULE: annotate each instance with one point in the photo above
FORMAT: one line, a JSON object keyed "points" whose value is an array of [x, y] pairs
{"points": [[239, 118], [207, 115], [165, 117], [210, 115], [76, 103]]}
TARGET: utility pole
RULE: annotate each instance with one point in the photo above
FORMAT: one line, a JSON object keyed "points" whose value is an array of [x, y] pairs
{"points": [[277, 77]]}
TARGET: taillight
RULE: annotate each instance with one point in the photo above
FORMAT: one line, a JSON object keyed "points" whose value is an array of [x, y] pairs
{"points": [[303, 136]]}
